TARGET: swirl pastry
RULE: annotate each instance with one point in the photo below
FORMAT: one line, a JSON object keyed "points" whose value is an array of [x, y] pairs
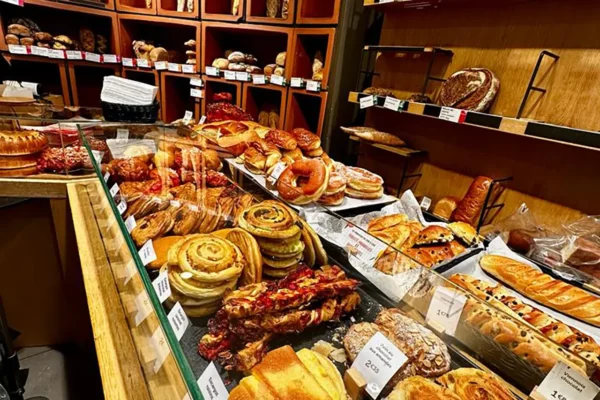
{"points": [[151, 227], [474, 384], [417, 388], [270, 220], [249, 247]]}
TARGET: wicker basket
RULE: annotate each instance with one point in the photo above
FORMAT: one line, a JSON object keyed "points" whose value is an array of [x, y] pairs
{"points": [[114, 112]]}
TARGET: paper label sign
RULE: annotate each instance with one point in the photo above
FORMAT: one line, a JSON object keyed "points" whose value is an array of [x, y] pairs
{"points": [[173, 67], [278, 170], [202, 119], [130, 223], [367, 101], [74, 55], [93, 57], [179, 321], [54, 53], [211, 385], [110, 58], [277, 80], [377, 362], [128, 62], [122, 207], [162, 286], [229, 75], [446, 308], [196, 82], [425, 203], [187, 117], [39, 51], [313, 86], [106, 176], [143, 63], [564, 383], [160, 65], [453, 115], [391, 103], [122, 135], [197, 93], [188, 69], [259, 79], [242, 76], [147, 254], [114, 190], [212, 71], [143, 307], [361, 245], [14, 2], [129, 271], [296, 82], [17, 49], [161, 348]]}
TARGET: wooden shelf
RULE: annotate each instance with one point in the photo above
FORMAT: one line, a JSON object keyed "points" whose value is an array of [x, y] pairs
{"points": [[73, 6], [257, 98], [175, 96], [307, 42], [137, 7], [86, 81], [168, 8], [401, 151], [537, 130], [256, 11], [217, 85], [407, 49], [315, 12], [305, 110], [220, 10], [107, 5]]}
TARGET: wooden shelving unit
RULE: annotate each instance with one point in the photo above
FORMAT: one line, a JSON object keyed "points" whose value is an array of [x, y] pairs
{"points": [[168, 8], [175, 96], [217, 85], [318, 12], [257, 98], [105, 5], [221, 10], [86, 81], [256, 11], [305, 110], [307, 42], [137, 6]]}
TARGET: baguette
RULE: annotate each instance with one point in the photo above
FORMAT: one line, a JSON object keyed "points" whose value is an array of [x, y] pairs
{"points": [[373, 135], [543, 288]]}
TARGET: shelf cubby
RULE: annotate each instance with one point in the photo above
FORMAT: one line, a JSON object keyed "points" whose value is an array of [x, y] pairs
{"points": [[262, 41], [221, 10], [148, 76], [218, 85], [170, 33], [256, 11], [259, 98], [168, 8], [137, 6], [307, 42], [315, 12], [86, 81], [305, 110], [175, 97], [102, 4]]}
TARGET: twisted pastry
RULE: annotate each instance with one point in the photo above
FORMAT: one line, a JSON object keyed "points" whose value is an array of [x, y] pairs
{"points": [[151, 227], [474, 384], [186, 219], [270, 220]]}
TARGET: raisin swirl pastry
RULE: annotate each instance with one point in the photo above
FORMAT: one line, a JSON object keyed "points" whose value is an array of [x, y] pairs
{"points": [[269, 220], [151, 227]]}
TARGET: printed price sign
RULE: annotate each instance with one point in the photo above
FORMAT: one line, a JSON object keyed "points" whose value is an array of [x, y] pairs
{"points": [[367, 101], [54, 53], [202, 119], [14, 2], [128, 62], [173, 67], [197, 93], [93, 57], [211, 385], [277, 80], [188, 68], [230, 75], [242, 76], [17, 49], [187, 117], [161, 348], [110, 58], [143, 307], [122, 135], [161, 285], [147, 254], [564, 383], [74, 55], [179, 321], [377, 362], [446, 308], [425, 203], [114, 190], [361, 245], [122, 207], [296, 82], [39, 51], [259, 79], [212, 71], [196, 82], [106, 176], [391, 103], [453, 115], [278, 170], [160, 65], [313, 86], [130, 223], [143, 63]]}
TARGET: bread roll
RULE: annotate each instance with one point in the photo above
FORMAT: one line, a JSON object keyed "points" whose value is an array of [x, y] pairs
{"points": [[237, 57], [19, 30], [11, 39], [280, 59], [445, 207]]}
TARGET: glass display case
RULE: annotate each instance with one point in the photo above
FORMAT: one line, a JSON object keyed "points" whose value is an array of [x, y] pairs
{"points": [[216, 271]]}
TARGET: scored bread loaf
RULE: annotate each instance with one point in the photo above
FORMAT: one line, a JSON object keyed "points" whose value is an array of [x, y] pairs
{"points": [[373, 135], [543, 288]]}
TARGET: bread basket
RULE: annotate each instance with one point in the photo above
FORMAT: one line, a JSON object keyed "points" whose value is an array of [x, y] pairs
{"points": [[115, 112]]}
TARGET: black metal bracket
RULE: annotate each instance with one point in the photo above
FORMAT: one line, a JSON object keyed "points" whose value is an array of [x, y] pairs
{"points": [[428, 76], [487, 207], [531, 86]]}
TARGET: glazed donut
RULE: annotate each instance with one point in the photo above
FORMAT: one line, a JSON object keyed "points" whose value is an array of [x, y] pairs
{"points": [[337, 183], [362, 180], [357, 194], [297, 191]]}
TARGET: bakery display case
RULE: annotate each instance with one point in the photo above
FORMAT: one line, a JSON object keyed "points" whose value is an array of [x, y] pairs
{"points": [[313, 51], [86, 81], [217, 90], [305, 110], [177, 95], [270, 11], [219, 10], [266, 104], [318, 12]]}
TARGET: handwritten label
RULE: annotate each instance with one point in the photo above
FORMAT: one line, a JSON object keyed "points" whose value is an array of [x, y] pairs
{"points": [[446, 308], [143, 63], [147, 254], [453, 115], [425, 203], [391, 103], [188, 69], [367, 101], [242, 76], [196, 82], [259, 79], [361, 245], [277, 80], [98, 155], [143, 307], [110, 58], [54, 53], [114, 190], [230, 75], [197, 93], [211, 385], [17, 49], [128, 62], [162, 286], [187, 117], [564, 383], [130, 223], [173, 67], [122, 207], [212, 71], [160, 65], [313, 86], [377, 362], [296, 82], [74, 55], [39, 51], [122, 135], [179, 321], [161, 348], [93, 57]]}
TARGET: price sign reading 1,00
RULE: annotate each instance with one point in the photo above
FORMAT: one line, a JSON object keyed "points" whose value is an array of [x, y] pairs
{"points": [[369, 364], [556, 395]]}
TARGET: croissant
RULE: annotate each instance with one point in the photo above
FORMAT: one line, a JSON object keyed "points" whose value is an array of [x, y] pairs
{"points": [[543, 288]]}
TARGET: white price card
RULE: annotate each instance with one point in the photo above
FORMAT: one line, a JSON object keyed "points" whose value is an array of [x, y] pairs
{"points": [[143, 63], [122, 135], [129, 271], [14, 2], [187, 117], [128, 62], [377, 362], [197, 93], [425, 203], [110, 58], [122, 207], [391, 103], [147, 254], [278, 170], [106, 176], [296, 82], [212, 71], [161, 65], [313, 86], [114, 190], [98, 155], [162, 286], [179, 321], [174, 67], [277, 80], [159, 343], [259, 79], [130, 223], [196, 82], [17, 49], [39, 51], [453, 115], [361, 245], [188, 68], [242, 76], [445, 309], [564, 383], [202, 119], [54, 53], [211, 385], [74, 55], [93, 57], [143, 307], [229, 75], [367, 101]]}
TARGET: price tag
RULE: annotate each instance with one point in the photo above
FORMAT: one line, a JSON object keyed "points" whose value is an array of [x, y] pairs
{"points": [[143, 63], [564, 383], [179, 321], [160, 65], [296, 82], [196, 82], [425, 203], [377, 362], [391, 103], [122, 135], [162, 286], [17, 49], [39, 51], [106, 176], [174, 67], [187, 117], [147, 254], [367, 101], [98, 156], [128, 62], [242, 76], [277, 80], [259, 79], [161, 348], [188, 68], [211, 385], [212, 71], [130, 271], [114, 190], [110, 58], [122, 207], [453, 115], [74, 55], [446, 308], [278, 170], [93, 57], [361, 245], [130, 223], [230, 75], [14, 2], [54, 53], [143, 307], [313, 86], [198, 93], [202, 119]]}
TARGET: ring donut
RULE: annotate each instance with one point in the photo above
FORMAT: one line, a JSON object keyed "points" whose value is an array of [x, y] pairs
{"points": [[303, 182], [362, 180]]}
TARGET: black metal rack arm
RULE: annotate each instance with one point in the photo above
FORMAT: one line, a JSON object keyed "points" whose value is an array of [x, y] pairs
{"points": [[530, 85], [486, 207]]}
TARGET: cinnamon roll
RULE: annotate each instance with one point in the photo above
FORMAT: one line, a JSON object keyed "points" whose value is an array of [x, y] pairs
{"points": [[270, 220]]}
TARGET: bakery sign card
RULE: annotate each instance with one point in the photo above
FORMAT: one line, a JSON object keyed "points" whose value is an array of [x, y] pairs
{"points": [[564, 383]]}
